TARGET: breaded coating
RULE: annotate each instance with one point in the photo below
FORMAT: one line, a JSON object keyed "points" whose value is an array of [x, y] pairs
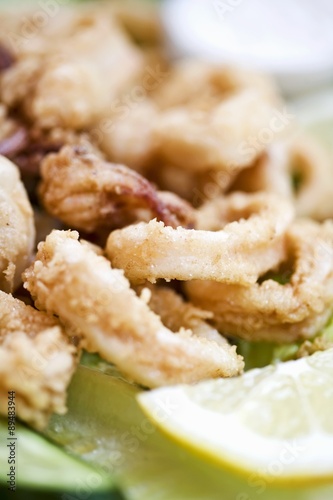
{"points": [[17, 231], [73, 71], [70, 280], [88, 193], [275, 312], [237, 239], [37, 361], [176, 313]]}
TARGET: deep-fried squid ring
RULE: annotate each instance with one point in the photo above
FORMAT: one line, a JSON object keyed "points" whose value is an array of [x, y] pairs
{"points": [[270, 173], [70, 280], [215, 139], [65, 75], [272, 311], [17, 231], [37, 361], [240, 238], [176, 314], [299, 169], [209, 125], [213, 83]]}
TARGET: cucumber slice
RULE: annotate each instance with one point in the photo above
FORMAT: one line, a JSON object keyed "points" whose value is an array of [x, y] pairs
{"points": [[32, 494], [105, 426], [42, 465]]}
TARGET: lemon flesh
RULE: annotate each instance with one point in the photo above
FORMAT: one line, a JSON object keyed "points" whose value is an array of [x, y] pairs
{"points": [[272, 422]]}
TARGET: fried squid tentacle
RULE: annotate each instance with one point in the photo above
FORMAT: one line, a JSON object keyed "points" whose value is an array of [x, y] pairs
{"points": [[88, 193]]}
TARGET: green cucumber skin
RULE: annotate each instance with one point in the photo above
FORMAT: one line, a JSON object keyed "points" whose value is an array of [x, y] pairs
{"points": [[33, 494], [41, 465]]}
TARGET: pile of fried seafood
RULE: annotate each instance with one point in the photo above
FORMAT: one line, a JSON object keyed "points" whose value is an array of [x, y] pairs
{"points": [[153, 212]]}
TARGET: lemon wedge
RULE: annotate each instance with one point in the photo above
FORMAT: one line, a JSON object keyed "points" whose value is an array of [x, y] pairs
{"points": [[274, 422]]}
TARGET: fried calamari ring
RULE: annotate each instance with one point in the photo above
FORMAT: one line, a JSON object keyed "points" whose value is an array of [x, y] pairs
{"points": [[70, 280], [270, 173], [73, 78], [240, 237], [88, 193], [312, 168], [299, 169], [175, 314], [213, 83], [17, 231], [272, 311], [215, 139], [37, 361], [207, 126]]}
